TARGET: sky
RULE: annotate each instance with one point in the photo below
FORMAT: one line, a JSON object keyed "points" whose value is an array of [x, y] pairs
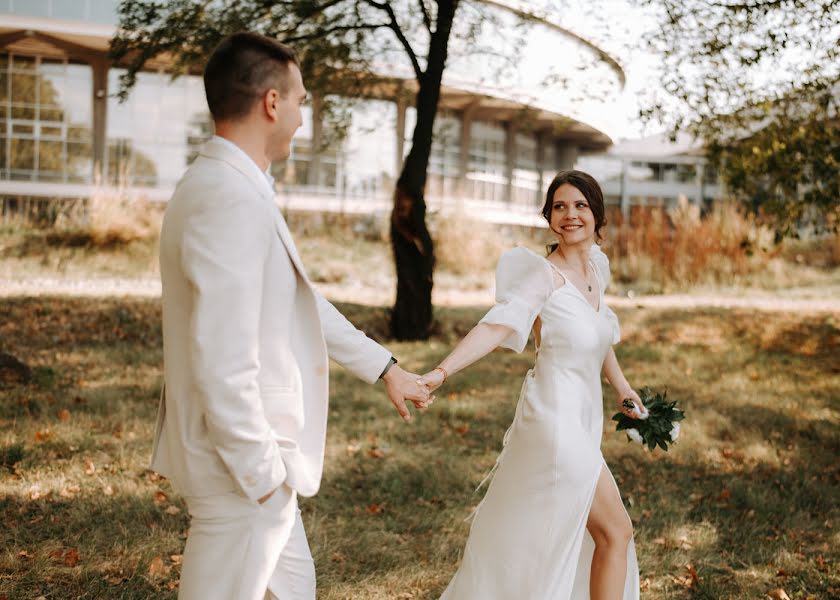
{"points": [[543, 53], [617, 29]]}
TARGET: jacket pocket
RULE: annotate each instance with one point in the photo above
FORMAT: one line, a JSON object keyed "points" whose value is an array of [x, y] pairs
{"points": [[283, 407]]}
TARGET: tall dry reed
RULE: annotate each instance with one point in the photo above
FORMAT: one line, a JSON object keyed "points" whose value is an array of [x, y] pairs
{"points": [[677, 247]]}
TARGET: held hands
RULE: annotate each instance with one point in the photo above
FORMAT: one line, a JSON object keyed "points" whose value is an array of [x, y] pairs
{"points": [[631, 405], [402, 386], [433, 379]]}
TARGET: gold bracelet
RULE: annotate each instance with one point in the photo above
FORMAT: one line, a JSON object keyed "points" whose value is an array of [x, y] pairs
{"points": [[442, 370]]}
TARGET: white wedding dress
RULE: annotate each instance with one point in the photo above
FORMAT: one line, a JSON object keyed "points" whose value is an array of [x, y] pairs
{"points": [[528, 539]]}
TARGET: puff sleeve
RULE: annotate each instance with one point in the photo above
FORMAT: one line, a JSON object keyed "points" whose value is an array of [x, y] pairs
{"points": [[602, 268], [523, 284]]}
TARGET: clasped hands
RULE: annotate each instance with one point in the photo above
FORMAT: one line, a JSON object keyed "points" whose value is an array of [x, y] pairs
{"points": [[402, 385]]}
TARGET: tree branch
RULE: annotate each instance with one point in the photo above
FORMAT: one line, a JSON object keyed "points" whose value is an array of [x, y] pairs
{"points": [[325, 32], [427, 19], [395, 27]]}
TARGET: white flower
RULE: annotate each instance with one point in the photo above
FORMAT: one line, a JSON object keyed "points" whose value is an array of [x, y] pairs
{"points": [[634, 435], [675, 432]]}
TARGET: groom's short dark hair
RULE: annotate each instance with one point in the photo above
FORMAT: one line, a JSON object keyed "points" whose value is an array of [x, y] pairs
{"points": [[242, 68]]}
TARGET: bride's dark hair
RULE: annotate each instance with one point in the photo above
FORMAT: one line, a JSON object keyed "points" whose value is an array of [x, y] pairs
{"points": [[587, 186]]}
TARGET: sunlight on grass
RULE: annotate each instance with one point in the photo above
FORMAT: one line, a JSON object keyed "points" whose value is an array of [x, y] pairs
{"points": [[745, 503]]}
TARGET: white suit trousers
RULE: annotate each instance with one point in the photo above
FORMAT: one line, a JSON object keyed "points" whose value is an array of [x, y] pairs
{"points": [[238, 549]]}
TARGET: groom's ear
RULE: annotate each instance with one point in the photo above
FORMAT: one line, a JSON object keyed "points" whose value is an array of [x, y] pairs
{"points": [[270, 102]]}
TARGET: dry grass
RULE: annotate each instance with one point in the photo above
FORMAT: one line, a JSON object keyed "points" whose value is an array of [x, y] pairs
{"points": [[464, 246], [678, 249], [749, 498], [663, 251]]}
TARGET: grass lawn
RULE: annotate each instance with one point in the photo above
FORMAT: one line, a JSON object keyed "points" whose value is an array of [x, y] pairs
{"points": [[747, 504]]}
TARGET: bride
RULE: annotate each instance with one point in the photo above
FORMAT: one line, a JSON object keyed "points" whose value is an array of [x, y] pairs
{"points": [[552, 525]]}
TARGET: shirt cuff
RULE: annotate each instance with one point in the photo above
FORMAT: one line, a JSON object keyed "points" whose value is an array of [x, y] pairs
{"points": [[391, 362]]}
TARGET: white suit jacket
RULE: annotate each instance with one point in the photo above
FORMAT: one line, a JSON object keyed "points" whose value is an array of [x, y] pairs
{"points": [[245, 403]]}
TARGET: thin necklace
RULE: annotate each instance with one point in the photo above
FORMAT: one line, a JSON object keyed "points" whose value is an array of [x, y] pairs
{"points": [[586, 278]]}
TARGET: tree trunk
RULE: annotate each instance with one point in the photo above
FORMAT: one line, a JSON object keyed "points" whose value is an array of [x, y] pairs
{"points": [[412, 245]]}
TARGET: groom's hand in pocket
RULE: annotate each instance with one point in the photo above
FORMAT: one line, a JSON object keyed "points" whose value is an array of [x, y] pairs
{"points": [[402, 386]]}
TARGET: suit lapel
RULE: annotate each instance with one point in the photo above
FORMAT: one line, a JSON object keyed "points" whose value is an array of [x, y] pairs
{"points": [[220, 151], [238, 160], [286, 238]]}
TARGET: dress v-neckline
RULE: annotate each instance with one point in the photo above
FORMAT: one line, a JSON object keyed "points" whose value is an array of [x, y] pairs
{"points": [[567, 282]]}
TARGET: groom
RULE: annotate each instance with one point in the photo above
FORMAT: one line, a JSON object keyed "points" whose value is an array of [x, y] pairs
{"points": [[246, 343]]}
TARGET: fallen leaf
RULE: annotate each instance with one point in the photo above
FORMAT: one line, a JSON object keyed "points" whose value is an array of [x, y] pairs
{"points": [[90, 468], [692, 572], [43, 435], [24, 554], [724, 496], [35, 492], [463, 429], [821, 566], [56, 555], [779, 594], [660, 541], [71, 557], [69, 491], [63, 415], [108, 490], [172, 510], [375, 509], [157, 568], [338, 557], [176, 558], [159, 497], [376, 453], [172, 584]]}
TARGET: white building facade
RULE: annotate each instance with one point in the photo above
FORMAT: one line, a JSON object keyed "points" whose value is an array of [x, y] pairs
{"points": [[500, 137]]}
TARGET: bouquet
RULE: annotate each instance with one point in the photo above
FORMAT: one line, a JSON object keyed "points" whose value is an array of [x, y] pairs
{"points": [[662, 426]]}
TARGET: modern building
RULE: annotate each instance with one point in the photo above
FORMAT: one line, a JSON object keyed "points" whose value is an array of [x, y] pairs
{"points": [[501, 134], [656, 170]]}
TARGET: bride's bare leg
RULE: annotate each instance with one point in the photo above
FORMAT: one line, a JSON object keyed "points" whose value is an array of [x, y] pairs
{"points": [[612, 531]]}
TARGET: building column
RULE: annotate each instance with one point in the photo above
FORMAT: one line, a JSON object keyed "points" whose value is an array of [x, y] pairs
{"points": [[567, 155], [467, 117], [625, 193], [402, 105], [100, 118], [313, 174], [510, 157], [700, 183], [542, 140]]}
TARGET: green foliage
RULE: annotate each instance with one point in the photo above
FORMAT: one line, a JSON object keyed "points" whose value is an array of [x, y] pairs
{"points": [[656, 429], [755, 475], [763, 92], [11, 455], [44, 377]]}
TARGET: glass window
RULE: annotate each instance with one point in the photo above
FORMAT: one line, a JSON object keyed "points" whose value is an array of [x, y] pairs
{"points": [[157, 131], [370, 149], [445, 159], [45, 106], [486, 174], [22, 157]]}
